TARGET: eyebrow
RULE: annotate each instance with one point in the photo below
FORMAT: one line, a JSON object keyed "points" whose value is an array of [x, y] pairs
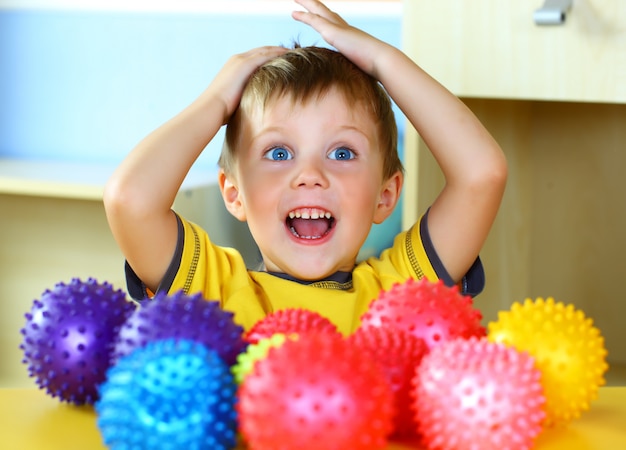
{"points": [[279, 129]]}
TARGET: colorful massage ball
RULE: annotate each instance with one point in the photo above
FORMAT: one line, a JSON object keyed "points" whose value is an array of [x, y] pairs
{"points": [[288, 321], [69, 337], [315, 393], [398, 353], [569, 351], [429, 310], [182, 316], [169, 394], [476, 394]]}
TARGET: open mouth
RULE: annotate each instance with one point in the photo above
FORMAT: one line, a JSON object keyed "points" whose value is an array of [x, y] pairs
{"points": [[310, 223]]}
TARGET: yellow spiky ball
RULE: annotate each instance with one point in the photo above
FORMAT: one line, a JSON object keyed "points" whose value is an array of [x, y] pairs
{"points": [[255, 352], [568, 349]]}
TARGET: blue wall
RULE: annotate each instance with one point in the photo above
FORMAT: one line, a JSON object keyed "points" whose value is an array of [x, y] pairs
{"points": [[88, 85]]}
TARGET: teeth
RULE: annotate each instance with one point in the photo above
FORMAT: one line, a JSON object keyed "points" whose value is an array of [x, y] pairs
{"points": [[309, 213]]}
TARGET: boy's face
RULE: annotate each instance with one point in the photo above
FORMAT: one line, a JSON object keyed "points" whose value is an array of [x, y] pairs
{"points": [[308, 180]]}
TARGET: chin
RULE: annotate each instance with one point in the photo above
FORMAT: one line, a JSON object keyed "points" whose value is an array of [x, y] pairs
{"points": [[305, 266], [315, 274]]}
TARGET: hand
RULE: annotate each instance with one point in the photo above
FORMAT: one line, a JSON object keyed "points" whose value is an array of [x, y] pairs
{"points": [[228, 84], [361, 48]]}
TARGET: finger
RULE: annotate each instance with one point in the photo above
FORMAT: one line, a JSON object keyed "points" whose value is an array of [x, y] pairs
{"points": [[319, 23], [317, 8], [261, 55], [267, 51], [314, 6]]}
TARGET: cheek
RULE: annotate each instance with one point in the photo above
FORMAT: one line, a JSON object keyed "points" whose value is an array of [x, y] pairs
{"points": [[362, 190], [258, 191]]}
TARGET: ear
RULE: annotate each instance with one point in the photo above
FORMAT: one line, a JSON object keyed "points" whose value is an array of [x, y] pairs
{"points": [[389, 196], [230, 194]]}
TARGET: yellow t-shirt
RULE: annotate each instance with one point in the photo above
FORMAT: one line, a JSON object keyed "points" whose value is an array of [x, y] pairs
{"points": [[220, 274]]}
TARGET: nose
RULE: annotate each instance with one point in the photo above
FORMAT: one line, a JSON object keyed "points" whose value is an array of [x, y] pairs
{"points": [[310, 173]]}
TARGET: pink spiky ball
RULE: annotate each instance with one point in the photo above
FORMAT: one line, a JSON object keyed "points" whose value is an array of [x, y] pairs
{"points": [[476, 394], [398, 353], [288, 321], [569, 350], [312, 393], [69, 337], [428, 310]]}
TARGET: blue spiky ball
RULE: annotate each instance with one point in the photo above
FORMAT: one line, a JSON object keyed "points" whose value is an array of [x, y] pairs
{"points": [[182, 316], [169, 394], [69, 337]]}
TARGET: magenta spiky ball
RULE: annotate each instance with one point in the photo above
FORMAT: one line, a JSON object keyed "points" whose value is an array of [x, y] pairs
{"points": [[288, 321], [182, 316], [315, 392], [69, 337], [429, 310], [476, 394], [398, 353]]}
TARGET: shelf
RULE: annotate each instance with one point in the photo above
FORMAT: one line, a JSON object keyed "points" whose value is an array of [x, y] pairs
{"points": [[72, 180]]}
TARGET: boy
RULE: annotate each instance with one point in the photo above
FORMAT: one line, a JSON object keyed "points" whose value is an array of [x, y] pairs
{"points": [[310, 163]]}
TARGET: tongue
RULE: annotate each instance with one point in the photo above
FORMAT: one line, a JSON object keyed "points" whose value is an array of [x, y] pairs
{"points": [[314, 228]]}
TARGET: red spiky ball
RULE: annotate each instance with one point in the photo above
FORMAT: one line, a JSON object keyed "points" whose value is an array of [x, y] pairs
{"points": [[287, 321], [69, 337], [429, 310], [476, 394], [315, 392], [398, 353]]}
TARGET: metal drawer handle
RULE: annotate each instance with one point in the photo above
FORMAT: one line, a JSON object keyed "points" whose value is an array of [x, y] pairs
{"points": [[553, 12]]}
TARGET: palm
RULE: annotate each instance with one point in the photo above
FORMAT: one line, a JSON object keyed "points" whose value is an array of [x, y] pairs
{"points": [[355, 44]]}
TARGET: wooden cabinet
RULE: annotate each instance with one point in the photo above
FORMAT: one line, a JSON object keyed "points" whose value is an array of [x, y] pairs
{"points": [[554, 97], [494, 49]]}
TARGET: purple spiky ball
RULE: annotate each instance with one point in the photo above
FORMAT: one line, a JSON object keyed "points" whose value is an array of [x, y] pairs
{"points": [[182, 316], [69, 337]]}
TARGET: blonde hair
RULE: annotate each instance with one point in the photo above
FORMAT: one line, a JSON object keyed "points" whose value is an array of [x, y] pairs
{"points": [[305, 72]]}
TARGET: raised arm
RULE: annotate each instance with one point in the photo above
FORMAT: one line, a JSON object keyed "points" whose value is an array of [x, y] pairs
{"points": [[472, 162], [139, 195]]}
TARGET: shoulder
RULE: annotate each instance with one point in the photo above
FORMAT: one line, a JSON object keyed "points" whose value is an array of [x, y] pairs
{"points": [[199, 265], [413, 255], [408, 257]]}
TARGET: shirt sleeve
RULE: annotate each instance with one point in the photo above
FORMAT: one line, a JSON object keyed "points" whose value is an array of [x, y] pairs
{"points": [[138, 290], [472, 283]]}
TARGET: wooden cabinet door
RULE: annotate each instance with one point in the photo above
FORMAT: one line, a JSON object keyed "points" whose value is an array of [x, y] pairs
{"points": [[494, 49]]}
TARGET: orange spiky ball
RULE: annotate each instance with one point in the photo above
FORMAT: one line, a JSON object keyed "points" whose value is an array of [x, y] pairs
{"points": [[288, 321], [568, 349], [315, 392]]}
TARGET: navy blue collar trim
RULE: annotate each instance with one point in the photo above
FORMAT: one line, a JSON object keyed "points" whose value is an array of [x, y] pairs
{"points": [[343, 278]]}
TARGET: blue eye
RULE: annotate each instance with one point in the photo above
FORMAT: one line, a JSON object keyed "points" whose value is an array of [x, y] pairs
{"points": [[278, 154], [342, 154]]}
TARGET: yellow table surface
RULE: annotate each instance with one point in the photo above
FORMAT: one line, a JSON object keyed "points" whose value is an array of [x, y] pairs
{"points": [[32, 420]]}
